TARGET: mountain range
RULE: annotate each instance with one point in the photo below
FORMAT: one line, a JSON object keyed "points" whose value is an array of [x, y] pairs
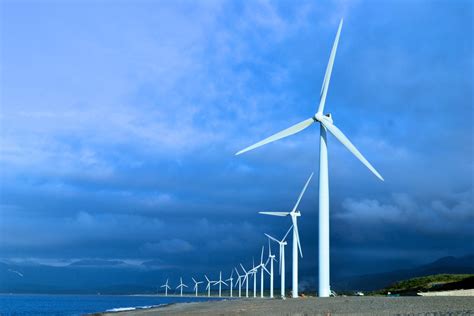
{"points": [[118, 277]]}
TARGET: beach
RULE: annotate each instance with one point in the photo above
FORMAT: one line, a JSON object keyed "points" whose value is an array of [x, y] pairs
{"points": [[369, 305]]}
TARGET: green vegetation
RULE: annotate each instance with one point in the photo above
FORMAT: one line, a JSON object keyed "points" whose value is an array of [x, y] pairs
{"points": [[437, 282]]}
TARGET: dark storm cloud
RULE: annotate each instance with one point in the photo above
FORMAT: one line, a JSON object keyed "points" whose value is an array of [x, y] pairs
{"points": [[128, 151]]}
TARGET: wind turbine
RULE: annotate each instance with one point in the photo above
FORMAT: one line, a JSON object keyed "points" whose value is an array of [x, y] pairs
{"points": [[181, 285], [166, 286], [246, 280], [239, 281], [270, 259], [326, 124], [282, 244], [230, 279], [295, 213], [220, 282], [262, 269], [254, 272], [196, 283], [208, 287]]}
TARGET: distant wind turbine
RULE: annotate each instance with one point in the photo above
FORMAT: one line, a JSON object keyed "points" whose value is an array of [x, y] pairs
{"points": [[230, 279], [295, 213], [282, 243], [262, 269], [196, 285], [180, 286], [167, 287], [239, 281], [270, 259], [326, 124], [246, 280], [208, 287], [220, 282], [254, 272]]}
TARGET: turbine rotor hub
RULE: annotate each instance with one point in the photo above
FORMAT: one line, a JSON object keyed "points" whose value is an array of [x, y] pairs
{"points": [[323, 117]]}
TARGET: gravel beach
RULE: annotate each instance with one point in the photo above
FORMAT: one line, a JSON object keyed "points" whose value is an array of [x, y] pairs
{"points": [[320, 306]]}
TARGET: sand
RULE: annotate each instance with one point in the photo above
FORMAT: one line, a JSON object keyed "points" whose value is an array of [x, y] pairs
{"points": [[368, 305], [450, 293]]}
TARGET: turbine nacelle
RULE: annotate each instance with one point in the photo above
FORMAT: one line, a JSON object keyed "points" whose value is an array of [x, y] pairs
{"points": [[323, 118], [295, 213]]}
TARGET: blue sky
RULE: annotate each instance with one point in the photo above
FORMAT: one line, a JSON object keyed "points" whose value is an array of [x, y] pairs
{"points": [[120, 120]]}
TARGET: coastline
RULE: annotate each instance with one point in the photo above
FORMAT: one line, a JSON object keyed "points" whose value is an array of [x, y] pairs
{"points": [[314, 306]]}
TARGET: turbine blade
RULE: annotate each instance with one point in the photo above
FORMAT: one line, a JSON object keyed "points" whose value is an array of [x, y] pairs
{"points": [[302, 192], [194, 280], [274, 239], [261, 256], [243, 268], [295, 227], [284, 237], [275, 213], [327, 75], [346, 142], [284, 133], [269, 248], [263, 267]]}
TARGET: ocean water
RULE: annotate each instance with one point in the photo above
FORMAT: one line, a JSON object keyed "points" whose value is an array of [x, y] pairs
{"points": [[66, 305]]}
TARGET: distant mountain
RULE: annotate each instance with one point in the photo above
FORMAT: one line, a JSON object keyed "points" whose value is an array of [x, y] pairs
{"points": [[370, 282], [117, 277], [84, 278]]}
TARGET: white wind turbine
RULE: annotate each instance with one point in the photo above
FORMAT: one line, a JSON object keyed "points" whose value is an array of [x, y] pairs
{"points": [[239, 281], [295, 213], [270, 259], [167, 287], [326, 124], [246, 280], [254, 272], [180, 286], [220, 282], [262, 269], [196, 285], [230, 279], [282, 243], [208, 287]]}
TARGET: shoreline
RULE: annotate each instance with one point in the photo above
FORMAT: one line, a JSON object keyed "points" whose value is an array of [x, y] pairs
{"points": [[379, 305]]}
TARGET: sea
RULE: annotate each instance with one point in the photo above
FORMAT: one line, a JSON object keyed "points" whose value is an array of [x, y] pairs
{"points": [[72, 305]]}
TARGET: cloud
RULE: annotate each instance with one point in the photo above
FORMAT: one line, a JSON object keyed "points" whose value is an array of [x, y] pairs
{"points": [[168, 246], [403, 212], [119, 125]]}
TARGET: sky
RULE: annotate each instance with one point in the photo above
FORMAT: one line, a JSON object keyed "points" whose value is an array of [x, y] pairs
{"points": [[120, 120]]}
